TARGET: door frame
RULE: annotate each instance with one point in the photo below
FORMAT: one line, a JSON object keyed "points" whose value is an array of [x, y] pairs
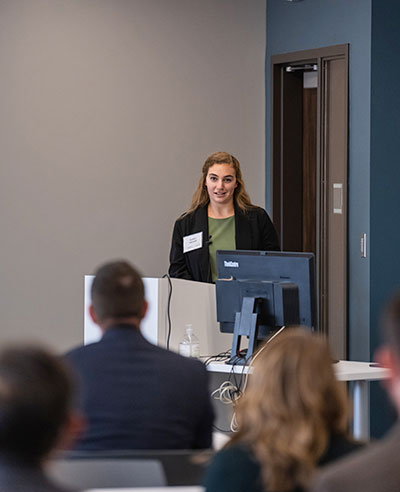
{"points": [[317, 56]]}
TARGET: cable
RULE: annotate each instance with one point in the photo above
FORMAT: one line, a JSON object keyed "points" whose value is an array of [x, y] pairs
{"points": [[259, 352], [254, 357], [234, 423], [227, 393], [222, 356], [230, 393], [169, 308]]}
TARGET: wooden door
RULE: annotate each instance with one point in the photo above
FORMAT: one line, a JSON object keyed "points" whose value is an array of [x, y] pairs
{"points": [[333, 237], [309, 175]]}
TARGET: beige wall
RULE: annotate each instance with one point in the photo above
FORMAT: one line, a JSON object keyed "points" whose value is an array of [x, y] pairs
{"points": [[108, 109]]}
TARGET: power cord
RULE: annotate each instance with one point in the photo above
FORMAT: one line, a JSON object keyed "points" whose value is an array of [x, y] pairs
{"points": [[254, 357], [227, 393], [222, 356], [230, 392], [169, 308]]}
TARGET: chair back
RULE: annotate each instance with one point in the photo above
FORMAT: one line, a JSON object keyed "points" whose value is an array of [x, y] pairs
{"points": [[137, 468], [99, 473]]}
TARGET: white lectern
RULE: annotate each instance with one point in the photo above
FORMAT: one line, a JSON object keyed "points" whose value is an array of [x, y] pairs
{"points": [[191, 303]]}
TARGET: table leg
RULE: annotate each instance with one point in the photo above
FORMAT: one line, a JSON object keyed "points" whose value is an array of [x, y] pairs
{"points": [[361, 409]]}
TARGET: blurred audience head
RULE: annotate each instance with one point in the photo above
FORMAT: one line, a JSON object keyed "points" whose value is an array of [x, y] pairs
{"points": [[388, 355], [35, 403], [292, 406], [117, 293], [391, 323]]}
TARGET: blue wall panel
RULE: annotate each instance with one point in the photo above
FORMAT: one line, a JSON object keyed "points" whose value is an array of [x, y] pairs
{"points": [[371, 27], [385, 176], [314, 24], [385, 163]]}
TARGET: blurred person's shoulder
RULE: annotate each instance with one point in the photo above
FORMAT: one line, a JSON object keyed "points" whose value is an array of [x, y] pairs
{"points": [[340, 446], [373, 468]]}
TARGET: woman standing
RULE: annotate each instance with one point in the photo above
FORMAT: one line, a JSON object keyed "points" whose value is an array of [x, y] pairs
{"points": [[293, 417], [221, 217]]}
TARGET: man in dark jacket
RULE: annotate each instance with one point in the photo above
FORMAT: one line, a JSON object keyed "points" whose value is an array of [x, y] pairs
{"points": [[134, 394]]}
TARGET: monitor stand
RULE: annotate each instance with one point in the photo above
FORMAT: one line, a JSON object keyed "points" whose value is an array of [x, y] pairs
{"points": [[245, 325]]}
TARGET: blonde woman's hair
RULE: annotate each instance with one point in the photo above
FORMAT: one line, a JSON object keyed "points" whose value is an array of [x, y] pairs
{"points": [[292, 406], [200, 196]]}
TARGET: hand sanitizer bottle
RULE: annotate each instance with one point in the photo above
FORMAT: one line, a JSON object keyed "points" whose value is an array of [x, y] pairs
{"points": [[189, 346]]}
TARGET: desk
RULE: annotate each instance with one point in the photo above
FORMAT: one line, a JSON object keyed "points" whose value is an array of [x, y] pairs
{"points": [[359, 373]]}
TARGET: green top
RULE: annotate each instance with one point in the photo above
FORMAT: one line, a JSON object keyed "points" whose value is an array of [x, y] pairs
{"points": [[222, 236]]}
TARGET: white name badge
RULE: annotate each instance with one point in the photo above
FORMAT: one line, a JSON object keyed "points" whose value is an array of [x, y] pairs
{"points": [[194, 241]]}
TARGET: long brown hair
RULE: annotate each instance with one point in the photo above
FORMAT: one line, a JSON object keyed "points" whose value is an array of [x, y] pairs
{"points": [[200, 196], [291, 407]]}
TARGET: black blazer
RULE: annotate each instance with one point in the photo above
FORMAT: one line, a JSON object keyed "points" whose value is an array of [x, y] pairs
{"points": [[136, 395], [254, 230]]}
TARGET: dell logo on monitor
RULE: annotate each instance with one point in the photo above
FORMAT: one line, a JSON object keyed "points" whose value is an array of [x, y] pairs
{"points": [[231, 264]]}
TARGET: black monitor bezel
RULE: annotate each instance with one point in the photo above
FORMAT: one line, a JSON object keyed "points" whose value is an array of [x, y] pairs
{"points": [[292, 261]]}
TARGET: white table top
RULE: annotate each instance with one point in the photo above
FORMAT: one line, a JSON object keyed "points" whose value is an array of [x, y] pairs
{"points": [[227, 368], [348, 370], [345, 370]]}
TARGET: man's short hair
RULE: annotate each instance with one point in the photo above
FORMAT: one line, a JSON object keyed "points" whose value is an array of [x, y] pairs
{"points": [[391, 323], [117, 291], [35, 401]]}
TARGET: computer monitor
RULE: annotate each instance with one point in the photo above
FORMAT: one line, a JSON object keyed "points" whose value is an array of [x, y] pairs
{"points": [[258, 292]]}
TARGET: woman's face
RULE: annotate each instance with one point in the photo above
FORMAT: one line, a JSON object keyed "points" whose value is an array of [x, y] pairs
{"points": [[221, 183]]}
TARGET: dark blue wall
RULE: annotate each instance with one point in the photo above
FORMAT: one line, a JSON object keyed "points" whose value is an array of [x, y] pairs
{"points": [[314, 24], [384, 172], [371, 27], [385, 162]]}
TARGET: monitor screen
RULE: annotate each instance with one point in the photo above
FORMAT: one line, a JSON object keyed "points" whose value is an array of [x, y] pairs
{"points": [[276, 288]]}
